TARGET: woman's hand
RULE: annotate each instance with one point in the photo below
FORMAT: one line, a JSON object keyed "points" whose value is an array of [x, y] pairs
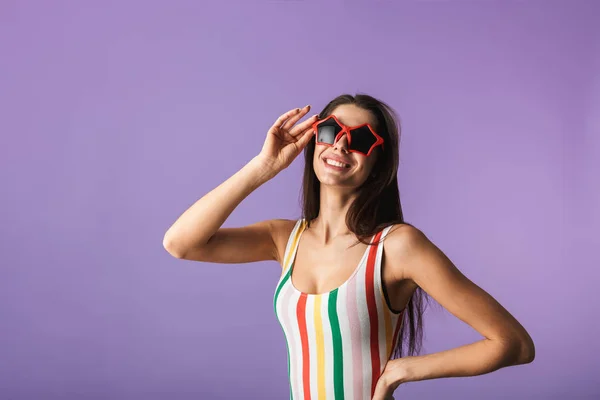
{"points": [[389, 380], [285, 141]]}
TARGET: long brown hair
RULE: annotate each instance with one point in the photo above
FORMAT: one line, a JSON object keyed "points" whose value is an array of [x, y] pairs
{"points": [[377, 204]]}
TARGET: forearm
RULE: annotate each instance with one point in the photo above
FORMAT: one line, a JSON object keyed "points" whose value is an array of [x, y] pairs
{"points": [[200, 221], [469, 360]]}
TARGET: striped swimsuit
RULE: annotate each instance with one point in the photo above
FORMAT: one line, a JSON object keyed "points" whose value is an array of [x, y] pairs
{"points": [[338, 342]]}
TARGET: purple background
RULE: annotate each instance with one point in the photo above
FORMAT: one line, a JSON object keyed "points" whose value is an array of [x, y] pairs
{"points": [[105, 111]]}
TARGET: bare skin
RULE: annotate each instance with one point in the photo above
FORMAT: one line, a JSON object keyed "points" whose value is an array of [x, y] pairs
{"points": [[325, 260]]}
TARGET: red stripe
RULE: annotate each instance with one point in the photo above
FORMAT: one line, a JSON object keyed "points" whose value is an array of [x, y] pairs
{"points": [[372, 307], [301, 315]]}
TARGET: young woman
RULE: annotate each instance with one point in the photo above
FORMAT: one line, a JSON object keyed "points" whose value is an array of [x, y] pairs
{"points": [[354, 273]]}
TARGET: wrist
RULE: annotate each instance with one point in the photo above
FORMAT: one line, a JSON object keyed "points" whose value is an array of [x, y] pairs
{"points": [[262, 168], [398, 372]]}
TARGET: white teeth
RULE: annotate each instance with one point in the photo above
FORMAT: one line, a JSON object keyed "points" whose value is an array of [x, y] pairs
{"points": [[335, 163]]}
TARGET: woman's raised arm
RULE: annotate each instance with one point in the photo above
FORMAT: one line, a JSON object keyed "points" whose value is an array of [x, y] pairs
{"points": [[197, 233]]}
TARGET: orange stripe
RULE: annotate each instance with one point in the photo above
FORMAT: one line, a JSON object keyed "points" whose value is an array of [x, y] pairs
{"points": [[301, 315], [388, 324], [372, 307], [386, 312], [398, 324]]}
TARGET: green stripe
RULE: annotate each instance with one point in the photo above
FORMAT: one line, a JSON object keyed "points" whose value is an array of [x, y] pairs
{"points": [[285, 278], [338, 359]]}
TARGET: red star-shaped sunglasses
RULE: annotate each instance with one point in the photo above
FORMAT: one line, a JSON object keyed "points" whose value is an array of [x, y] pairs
{"points": [[361, 138]]}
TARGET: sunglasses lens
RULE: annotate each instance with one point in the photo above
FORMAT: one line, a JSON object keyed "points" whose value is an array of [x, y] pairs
{"points": [[327, 131], [362, 139]]}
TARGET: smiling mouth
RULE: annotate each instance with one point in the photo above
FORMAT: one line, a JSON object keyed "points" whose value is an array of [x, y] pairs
{"points": [[335, 164]]}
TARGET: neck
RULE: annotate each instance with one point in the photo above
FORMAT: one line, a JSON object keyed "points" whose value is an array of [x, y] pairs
{"points": [[334, 205]]}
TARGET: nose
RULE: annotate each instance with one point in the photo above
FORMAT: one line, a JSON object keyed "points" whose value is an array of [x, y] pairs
{"points": [[342, 143]]}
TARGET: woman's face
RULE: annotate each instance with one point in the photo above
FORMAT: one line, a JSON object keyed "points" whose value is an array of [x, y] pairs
{"points": [[360, 166]]}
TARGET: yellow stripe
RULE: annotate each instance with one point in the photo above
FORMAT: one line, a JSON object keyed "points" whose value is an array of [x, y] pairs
{"points": [[286, 263], [320, 349]]}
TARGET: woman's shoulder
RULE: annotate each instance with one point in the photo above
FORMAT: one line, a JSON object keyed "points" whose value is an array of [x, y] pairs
{"points": [[405, 227], [282, 226], [402, 236], [281, 229]]}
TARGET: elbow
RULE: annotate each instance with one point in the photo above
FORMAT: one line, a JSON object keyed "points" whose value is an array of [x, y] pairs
{"points": [[527, 353], [169, 246], [524, 349], [517, 350]]}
